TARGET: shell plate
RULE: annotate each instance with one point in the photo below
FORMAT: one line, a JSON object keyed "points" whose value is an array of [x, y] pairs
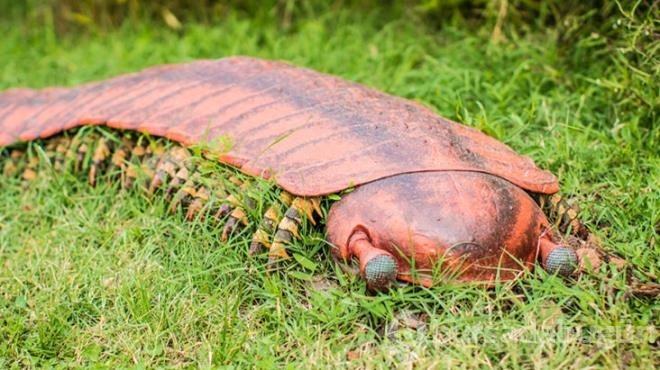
{"points": [[312, 133]]}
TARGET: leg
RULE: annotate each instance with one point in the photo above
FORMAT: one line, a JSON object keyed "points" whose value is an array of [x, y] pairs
{"points": [[262, 237], [101, 154], [169, 165], [299, 210], [564, 215]]}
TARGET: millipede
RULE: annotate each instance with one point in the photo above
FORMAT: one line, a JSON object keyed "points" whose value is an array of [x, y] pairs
{"points": [[409, 193]]}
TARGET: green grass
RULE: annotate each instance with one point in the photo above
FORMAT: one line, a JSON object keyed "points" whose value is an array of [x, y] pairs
{"points": [[105, 277]]}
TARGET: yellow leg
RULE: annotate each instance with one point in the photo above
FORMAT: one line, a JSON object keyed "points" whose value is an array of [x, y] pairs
{"points": [[564, 215], [169, 165], [261, 239], [236, 218], [30, 172], [101, 153], [300, 210], [14, 163]]}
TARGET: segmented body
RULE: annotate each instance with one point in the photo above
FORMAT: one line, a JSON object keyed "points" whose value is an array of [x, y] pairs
{"points": [[163, 168], [193, 186], [429, 191], [429, 194]]}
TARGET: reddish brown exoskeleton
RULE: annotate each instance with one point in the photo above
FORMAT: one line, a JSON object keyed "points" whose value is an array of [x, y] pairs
{"points": [[430, 194]]}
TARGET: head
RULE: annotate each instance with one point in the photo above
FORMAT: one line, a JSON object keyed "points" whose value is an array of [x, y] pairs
{"points": [[427, 227]]}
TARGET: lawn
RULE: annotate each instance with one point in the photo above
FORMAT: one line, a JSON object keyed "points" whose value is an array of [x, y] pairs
{"points": [[105, 277]]}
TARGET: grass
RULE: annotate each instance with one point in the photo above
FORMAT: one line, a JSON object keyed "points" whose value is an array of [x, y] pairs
{"points": [[101, 277]]}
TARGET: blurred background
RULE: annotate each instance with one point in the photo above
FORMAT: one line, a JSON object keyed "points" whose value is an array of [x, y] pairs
{"points": [[625, 33]]}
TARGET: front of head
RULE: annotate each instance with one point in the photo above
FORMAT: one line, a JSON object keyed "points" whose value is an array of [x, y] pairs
{"points": [[429, 227]]}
